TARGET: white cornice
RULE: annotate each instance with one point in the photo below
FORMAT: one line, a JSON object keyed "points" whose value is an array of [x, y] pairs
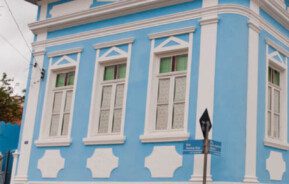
{"points": [[277, 47], [276, 11], [114, 43], [64, 52], [172, 32], [182, 16], [104, 12]]}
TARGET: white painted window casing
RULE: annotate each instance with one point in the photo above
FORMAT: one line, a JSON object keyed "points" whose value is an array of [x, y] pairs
{"points": [[276, 103], [108, 104], [56, 122], [168, 93]]}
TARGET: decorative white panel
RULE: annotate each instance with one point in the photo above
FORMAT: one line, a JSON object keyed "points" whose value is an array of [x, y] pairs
{"points": [[70, 7], [163, 161], [51, 163], [275, 165], [64, 60], [102, 162]]}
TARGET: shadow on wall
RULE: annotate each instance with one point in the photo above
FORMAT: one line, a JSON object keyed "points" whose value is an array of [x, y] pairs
{"points": [[9, 136]]}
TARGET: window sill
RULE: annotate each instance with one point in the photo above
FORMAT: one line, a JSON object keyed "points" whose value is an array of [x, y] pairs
{"points": [[164, 137], [104, 139], [53, 142], [276, 144]]}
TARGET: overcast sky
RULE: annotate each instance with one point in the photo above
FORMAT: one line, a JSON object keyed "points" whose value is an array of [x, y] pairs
{"points": [[11, 61]]}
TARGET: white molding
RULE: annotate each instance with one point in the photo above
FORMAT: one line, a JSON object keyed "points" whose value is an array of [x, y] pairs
{"points": [[276, 144], [70, 7], [113, 43], [44, 140], [174, 32], [252, 102], [209, 3], [163, 161], [206, 84], [277, 12], [283, 69], [51, 163], [104, 140], [184, 47], [277, 47], [276, 166], [102, 163], [182, 16], [207, 21], [15, 161], [122, 8], [104, 12], [28, 124], [53, 142], [100, 62], [64, 52], [164, 137]]}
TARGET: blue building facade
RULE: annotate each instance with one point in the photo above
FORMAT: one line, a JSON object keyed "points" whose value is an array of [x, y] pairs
{"points": [[117, 87]]}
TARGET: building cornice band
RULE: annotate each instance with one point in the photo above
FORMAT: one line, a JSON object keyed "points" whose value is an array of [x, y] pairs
{"points": [[104, 12], [173, 18]]}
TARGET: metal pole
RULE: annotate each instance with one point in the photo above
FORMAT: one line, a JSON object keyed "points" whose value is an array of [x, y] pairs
{"points": [[206, 150]]}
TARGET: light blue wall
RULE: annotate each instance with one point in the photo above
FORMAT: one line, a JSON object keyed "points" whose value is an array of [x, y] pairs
{"points": [[230, 98], [241, 2]]}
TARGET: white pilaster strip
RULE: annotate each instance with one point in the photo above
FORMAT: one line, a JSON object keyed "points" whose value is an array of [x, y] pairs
{"points": [[252, 98], [15, 160], [206, 83], [28, 125]]}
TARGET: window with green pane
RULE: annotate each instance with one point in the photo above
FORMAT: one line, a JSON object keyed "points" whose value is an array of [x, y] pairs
{"points": [[274, 76], [173, 63], [65, 79], [114, 72]]}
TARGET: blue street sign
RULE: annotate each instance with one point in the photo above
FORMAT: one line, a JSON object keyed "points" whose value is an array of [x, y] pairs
{"points": [[197, 146], [193, 147], [215, 147]]}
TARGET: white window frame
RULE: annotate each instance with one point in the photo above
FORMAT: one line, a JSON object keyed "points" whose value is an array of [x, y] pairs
{"points": [[170, 135], [281, 67], [44, 140], [94, 138]]}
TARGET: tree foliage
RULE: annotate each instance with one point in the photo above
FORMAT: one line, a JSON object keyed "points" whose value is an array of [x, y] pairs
{"points": [[10, 105]]}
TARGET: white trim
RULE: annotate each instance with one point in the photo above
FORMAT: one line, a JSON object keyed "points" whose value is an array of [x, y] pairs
{"points": [[167, 19], [100, 62], [53, 142], [104, 139], [172, 32], [206, 85], [252, 103], [210, 20], [113, 43], [283, 69], [277, 47], [104, 12], [64, 52], [150, 134], [276, 144], [164, 137], [122, 8], [44, 140]]}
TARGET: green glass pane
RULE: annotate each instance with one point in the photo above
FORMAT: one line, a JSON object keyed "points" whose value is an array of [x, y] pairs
{"points": [[269, 75], [181, 62], [109, 73], [60, 80], [166, 65], [276, 78], [70, 78], [121, 71]]}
